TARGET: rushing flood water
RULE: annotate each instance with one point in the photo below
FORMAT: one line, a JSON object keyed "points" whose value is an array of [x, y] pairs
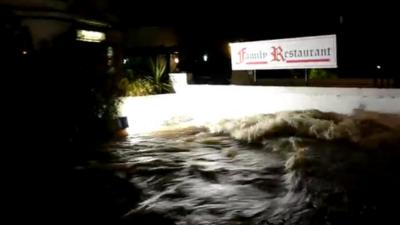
{"points": [[289, 168]]}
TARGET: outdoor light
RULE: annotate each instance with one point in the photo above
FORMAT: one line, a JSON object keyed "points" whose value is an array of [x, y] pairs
{"points": [[110, 52], [378, 67], [90, 36], [205, 57], [176, 60], [24, 52]]}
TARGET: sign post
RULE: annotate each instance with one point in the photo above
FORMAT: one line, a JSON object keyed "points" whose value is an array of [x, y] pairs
{"points": [[306, 77]]}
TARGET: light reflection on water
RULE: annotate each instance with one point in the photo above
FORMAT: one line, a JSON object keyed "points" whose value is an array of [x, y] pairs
{"points": [[212, 179]]}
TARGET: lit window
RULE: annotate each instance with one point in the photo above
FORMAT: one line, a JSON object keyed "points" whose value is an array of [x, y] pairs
{"points": [[90, 36]]}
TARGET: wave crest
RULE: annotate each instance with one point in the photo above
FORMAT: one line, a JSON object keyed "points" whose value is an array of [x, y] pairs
{"points": [[367, 129]]}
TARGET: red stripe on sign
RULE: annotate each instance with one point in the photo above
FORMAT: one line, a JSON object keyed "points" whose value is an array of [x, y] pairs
{"points": [[306, 60], [260, 62]]}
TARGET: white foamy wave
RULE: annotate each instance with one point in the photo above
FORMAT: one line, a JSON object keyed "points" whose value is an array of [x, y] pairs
{"points": [[367, 129]]}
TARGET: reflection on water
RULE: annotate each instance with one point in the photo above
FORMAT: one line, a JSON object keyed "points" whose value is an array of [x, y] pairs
{"points": [[290, 168]]}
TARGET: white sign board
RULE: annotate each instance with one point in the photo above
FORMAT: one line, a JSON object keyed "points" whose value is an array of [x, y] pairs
{"points": [[293, 53]]}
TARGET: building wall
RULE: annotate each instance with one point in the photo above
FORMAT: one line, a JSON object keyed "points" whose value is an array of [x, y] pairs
{"points": [[143, 37], [45, 30]]}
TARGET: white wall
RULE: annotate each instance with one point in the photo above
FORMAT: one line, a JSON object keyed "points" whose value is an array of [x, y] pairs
{"points": [[210, 103]]}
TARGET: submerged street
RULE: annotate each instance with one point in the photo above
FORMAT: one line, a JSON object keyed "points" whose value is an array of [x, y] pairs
{"points": [[263, 170]]}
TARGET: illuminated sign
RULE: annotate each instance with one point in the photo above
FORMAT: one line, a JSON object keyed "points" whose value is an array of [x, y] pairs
{"points": [[293, 53], [90, 36]]}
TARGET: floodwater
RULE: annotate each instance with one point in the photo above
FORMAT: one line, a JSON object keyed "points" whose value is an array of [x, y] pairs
{"points": [[303, 167]]}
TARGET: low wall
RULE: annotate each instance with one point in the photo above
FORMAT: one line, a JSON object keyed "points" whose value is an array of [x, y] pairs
{"points": [[210, 103]]}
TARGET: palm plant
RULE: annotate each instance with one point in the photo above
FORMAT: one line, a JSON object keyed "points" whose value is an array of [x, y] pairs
{"points": [[158, 67], [149, 80]]}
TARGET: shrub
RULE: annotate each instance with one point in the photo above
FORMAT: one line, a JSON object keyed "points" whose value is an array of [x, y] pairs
{"points": [[136, 84], [321, 74]]}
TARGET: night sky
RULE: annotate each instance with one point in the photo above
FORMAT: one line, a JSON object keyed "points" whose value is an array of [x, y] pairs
{"points": [[364, 40]]}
